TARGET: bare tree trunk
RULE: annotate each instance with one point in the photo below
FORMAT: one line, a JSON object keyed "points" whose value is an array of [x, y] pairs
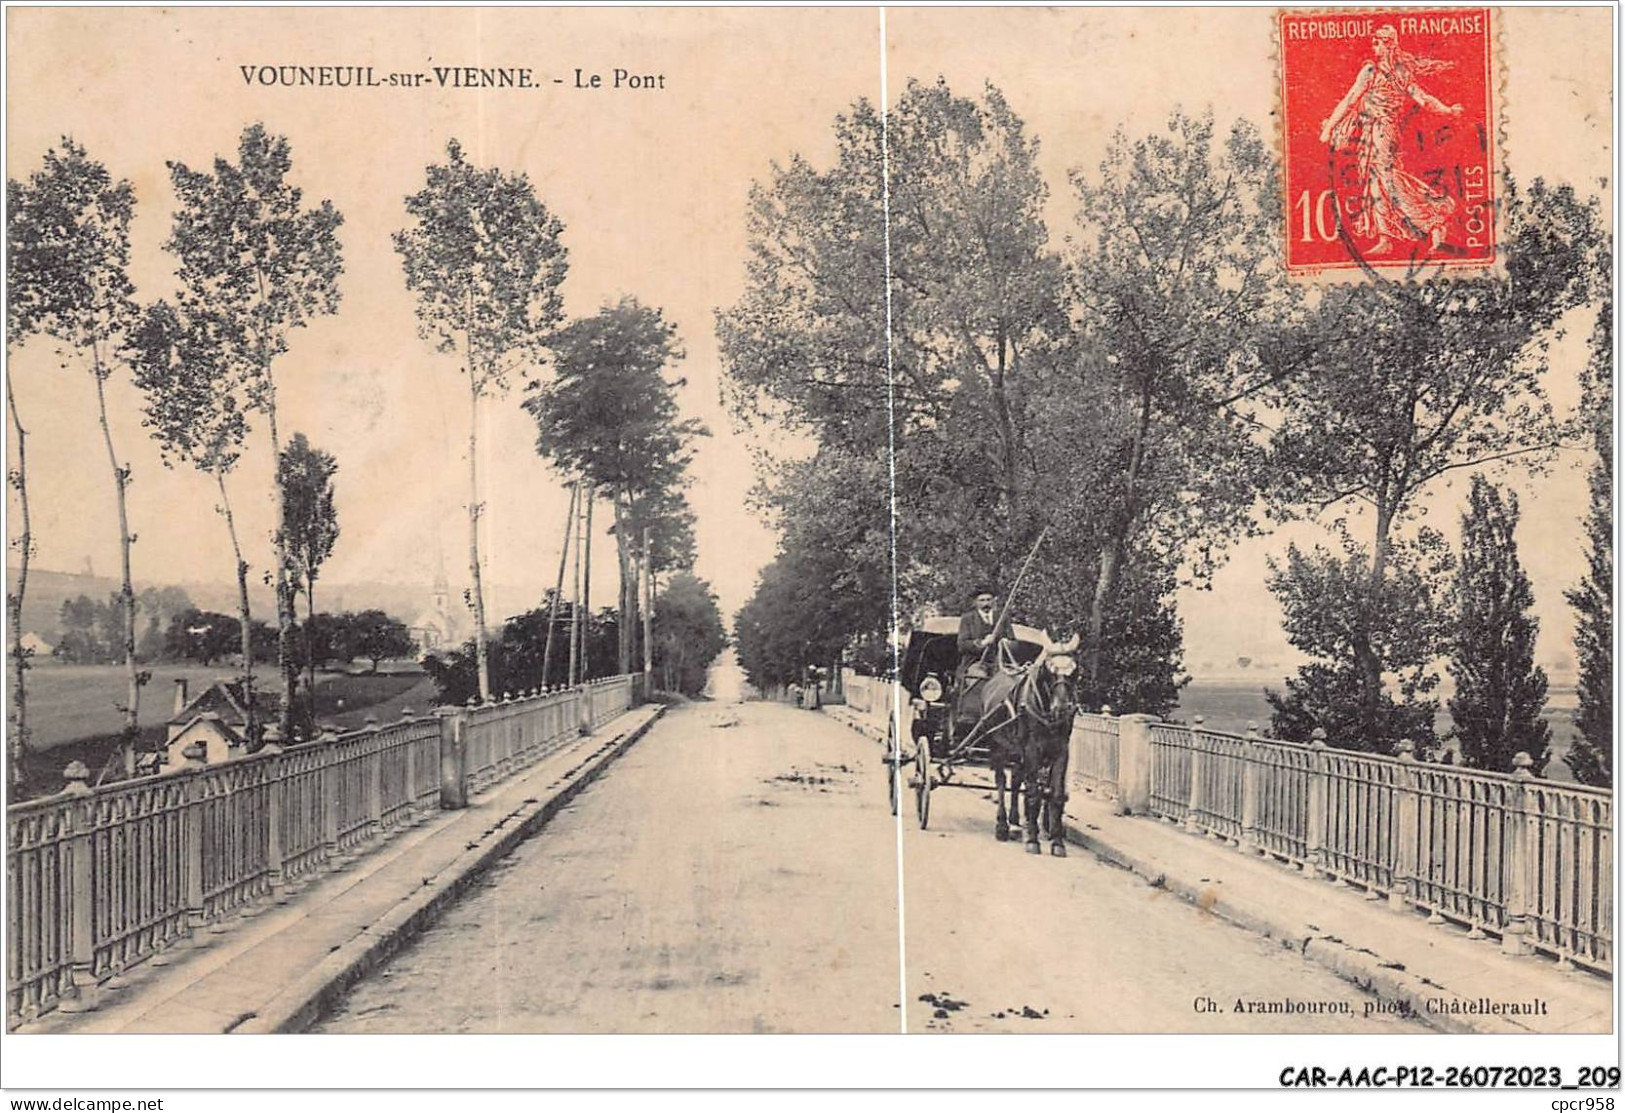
{"points": [[648, 613], [17, 745], [558, 586], [1105, 581], [1007, 437], [628, 604], [575, 597], [286, 666], [121, 480], [586, 589], [310, 645], [244, 619], [1366, 659], [480, 661], [279, 539], [1112, 555]]}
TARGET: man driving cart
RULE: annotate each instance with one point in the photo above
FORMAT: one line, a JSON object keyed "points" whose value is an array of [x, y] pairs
{"points": [[980, 631]]}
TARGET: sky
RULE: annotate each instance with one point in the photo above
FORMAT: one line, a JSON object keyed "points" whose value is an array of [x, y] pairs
{"points": [[652, 187]]}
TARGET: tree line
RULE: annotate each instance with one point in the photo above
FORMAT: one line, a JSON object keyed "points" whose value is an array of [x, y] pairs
{"points": [[92, 634], [1152, 389], [688, 638], [255, 261]]}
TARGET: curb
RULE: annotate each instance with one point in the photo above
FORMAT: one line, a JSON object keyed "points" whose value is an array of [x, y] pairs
{"points": [[299, 1006], [1360, 967]]}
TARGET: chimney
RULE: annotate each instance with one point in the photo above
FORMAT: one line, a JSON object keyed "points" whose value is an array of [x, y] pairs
{"points": [[180, 694]]}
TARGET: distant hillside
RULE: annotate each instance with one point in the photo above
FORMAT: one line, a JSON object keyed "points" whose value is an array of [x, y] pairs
{"points": [[47, 590]]}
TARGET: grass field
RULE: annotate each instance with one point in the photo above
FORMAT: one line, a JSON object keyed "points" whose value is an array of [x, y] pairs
{"points": [[1229, 705], [69, 703], [73, 710]]}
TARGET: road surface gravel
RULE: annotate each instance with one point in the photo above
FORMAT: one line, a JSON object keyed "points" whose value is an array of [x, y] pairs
{"points": [[736, 872]]}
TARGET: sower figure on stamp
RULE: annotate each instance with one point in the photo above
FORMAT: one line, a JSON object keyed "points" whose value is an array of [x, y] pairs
{"points": [[1395, 204]]}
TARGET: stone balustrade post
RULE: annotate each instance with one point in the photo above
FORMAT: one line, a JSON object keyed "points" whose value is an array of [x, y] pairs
{"points": [[375, 779], [411, 772], [1314, 840], [453, 758], [276, 787], [584, 724], [332, 797], [1520, 867], [1407, 816], [1194, 798], [192, 845], [1134, 763], [86, 995], [1252, 774]]}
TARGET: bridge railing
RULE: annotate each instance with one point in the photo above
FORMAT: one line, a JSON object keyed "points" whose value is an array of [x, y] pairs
{"points": [[98, 880], [868, 694], [1509, 855], [1094, 753]]}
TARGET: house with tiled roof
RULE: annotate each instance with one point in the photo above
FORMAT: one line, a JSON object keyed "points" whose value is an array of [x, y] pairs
{"points": [[217, 719]]}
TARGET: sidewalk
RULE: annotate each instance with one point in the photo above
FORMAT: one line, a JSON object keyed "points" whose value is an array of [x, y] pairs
{"points": [[1451, 982], [1448, 980], [275, 968]]}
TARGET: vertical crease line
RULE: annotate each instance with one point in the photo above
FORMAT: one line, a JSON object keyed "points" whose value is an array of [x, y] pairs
{"points": [[896, 733]]}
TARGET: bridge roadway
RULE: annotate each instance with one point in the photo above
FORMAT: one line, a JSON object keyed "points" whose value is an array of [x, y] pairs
{"points": [[736, 872]]}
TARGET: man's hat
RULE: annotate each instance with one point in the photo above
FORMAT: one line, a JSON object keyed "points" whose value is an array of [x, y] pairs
{"points": [[981, 590]]}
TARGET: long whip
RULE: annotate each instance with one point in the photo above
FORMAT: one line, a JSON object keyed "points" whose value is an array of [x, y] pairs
{"points": [[1009, 599]]}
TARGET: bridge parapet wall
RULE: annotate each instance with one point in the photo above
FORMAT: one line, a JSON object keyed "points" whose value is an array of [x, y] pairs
{"points": [[1527, 860], [99, 879], [869, 695]]}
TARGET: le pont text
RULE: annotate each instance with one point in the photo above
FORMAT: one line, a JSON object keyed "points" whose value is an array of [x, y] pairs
{"points": [[444, 77]]}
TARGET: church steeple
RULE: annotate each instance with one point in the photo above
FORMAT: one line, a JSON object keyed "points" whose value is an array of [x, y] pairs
{"points": [[442, 594]]}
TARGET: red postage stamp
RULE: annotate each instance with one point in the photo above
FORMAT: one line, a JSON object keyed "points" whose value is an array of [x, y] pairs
{"points": [[1388, 129]]}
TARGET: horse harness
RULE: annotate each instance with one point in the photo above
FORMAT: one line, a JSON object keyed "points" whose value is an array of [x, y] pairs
{"points": [[1026, 695]]}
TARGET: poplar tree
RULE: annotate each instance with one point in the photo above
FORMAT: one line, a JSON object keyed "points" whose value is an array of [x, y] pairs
{"points": [[266, 264], [71, 236], [305, 475], [485, 259], [22, 321], [1499, 689]]}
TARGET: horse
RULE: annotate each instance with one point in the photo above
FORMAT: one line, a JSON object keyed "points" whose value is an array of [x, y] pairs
{"points": [[1029, 748], [1041, 734], [1004, 757]]}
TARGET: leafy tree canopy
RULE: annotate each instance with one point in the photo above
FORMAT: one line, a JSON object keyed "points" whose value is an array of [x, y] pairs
{"points": [[688, 634], [305, 474], [485, 259]]}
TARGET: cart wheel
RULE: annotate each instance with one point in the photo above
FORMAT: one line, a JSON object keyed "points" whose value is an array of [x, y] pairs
{"points": [[922, 777], [894, 759]]}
